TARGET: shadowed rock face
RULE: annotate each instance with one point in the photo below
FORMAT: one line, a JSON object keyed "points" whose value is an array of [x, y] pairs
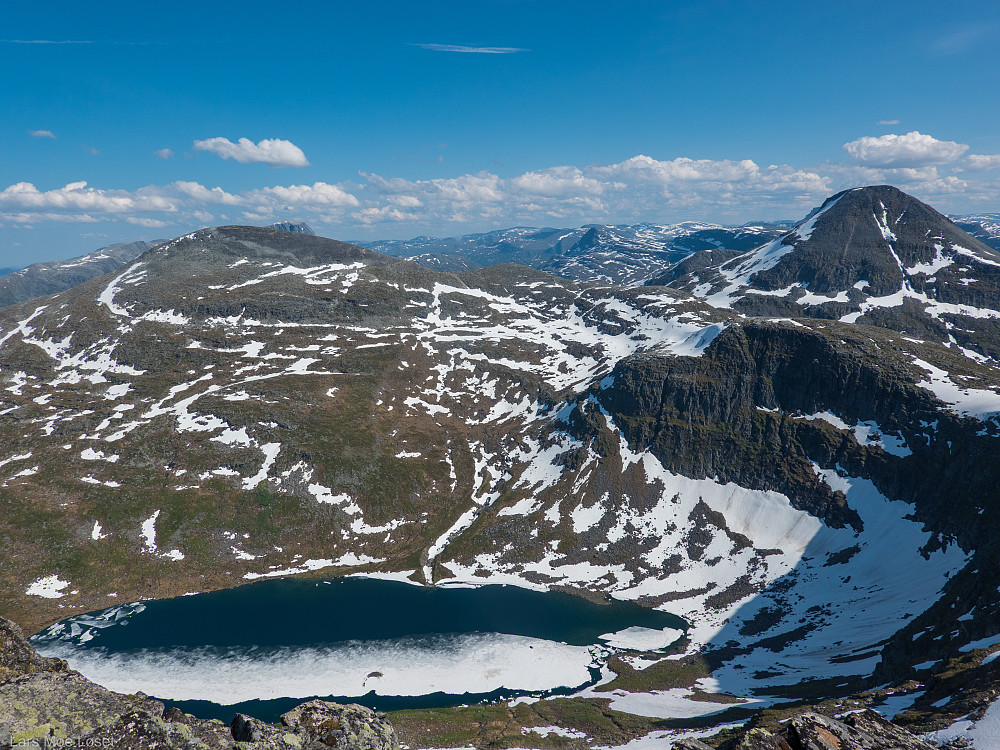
{"points": [[299, 227], [18, 657], [731, 414]]}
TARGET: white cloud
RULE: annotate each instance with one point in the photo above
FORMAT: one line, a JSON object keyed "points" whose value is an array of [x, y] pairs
{"points": [[273, 151], [317, 194], [203, 194], [77, 196], [926, 183], [33, 217], [646, 168], [910, 150], [983, 162], [46, 41], [471, 49], [640, 188], [42, 134], [385, 213], [887, 122], [164, 153], [558, 181]]}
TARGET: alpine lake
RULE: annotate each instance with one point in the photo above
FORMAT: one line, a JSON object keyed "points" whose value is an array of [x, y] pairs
{"points": [[265, 647]]}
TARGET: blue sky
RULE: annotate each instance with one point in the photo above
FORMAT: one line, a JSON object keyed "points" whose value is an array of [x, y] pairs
{"points": [[395, 119]]}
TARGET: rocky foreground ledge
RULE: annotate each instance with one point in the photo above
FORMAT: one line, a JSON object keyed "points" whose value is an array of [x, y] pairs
{"points": [[859, 730], [45, 704]]}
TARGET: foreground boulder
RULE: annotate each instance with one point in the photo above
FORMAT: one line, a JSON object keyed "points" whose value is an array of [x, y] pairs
{"points": [[18, 657], [350, 727], [859, 730], [44, 703], [318, 725]]}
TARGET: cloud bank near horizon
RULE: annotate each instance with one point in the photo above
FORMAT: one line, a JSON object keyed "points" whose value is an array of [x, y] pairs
{"points": [[641, 188]]}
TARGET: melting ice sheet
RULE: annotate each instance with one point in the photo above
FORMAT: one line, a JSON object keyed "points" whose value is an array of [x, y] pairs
{"points": [[351, 638], [452, 664]]}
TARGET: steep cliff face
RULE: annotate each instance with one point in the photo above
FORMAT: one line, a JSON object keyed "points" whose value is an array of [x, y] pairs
{"points": [[745, 412], [792, 407]]}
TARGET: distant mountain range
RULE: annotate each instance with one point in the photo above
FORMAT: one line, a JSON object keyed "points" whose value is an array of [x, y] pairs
{"points": [[984, 227], [626, 254], [610, 254]]}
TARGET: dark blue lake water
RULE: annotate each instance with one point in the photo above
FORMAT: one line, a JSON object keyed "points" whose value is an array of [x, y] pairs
{"points": [[265, 647]]}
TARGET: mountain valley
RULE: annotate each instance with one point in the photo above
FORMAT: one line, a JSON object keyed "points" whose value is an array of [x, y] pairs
{"points": [[785, 436]]}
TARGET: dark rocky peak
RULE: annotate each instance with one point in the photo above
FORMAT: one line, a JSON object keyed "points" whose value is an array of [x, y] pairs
{"points": [[592, 238], [879, 235], [870, 255], [299, 227]]}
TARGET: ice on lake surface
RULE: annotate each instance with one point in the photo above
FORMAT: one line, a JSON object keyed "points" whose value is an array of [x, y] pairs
{"points": [[386, 643]]}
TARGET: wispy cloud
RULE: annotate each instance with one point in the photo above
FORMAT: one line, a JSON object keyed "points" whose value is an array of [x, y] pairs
{"points": [[42, 134], [74, 41], [964, 38], [273, 151], [471, 49], [887, 122], [983, 162], [146, 222], [46, 41], [164, 153]]}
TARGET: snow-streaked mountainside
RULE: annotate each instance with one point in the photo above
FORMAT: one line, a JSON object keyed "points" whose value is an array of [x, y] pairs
{"points": [[869, 255], [40, 279], [612, 254], [815, 496]]}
